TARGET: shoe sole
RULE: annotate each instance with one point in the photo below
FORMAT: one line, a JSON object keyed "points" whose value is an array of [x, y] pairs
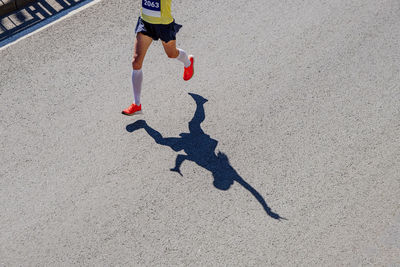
{"points": [[133, 114]]}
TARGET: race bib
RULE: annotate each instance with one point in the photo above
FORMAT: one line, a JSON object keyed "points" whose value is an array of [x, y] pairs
{"points": [[151, 8]]}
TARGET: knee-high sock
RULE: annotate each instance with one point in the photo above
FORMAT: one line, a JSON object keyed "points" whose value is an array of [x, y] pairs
{"points": [[182, 57], [137, 79]]}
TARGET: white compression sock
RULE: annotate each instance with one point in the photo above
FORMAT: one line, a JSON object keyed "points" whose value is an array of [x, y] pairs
{"points": [[137, 79], [182, 57]]}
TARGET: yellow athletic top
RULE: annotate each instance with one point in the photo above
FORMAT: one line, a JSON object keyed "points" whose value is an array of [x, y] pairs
{"points": [[157, 11]]}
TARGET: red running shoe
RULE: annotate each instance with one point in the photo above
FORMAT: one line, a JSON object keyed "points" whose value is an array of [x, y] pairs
{"points": [[133, 110], [189, 71]]}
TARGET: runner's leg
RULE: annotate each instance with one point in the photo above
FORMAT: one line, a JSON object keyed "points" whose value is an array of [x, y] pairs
{"points": [[142, 44], [173, 52]]}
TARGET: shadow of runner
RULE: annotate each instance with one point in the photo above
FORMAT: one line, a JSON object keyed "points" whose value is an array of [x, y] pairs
{"points": [[200, 148]]}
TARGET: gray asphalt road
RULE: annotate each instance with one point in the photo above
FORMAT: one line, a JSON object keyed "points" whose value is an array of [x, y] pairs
{"points": [[303, 100]]}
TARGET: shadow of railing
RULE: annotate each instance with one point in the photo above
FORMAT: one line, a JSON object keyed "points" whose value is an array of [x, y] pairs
{"points": [[32, 14], [200, 148]]}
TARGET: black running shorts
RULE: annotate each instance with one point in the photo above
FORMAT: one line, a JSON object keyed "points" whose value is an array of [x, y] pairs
{"points": [[165, 32]]}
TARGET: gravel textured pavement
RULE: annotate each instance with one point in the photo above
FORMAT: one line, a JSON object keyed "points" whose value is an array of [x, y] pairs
{"points": [[302, 122]]}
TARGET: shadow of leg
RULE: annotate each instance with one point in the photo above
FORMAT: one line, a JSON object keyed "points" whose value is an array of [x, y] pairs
{"points": [[136, 126], [199, 115]]}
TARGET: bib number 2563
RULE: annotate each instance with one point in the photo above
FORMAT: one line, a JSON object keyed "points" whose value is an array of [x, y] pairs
{"points": [[151, 8]]}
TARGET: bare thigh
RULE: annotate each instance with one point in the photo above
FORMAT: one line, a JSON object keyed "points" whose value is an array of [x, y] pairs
{"points": [[142, 43], [170, 49]]}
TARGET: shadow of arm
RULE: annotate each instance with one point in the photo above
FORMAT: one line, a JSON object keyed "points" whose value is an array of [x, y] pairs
{"points": [[259, 198]]}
